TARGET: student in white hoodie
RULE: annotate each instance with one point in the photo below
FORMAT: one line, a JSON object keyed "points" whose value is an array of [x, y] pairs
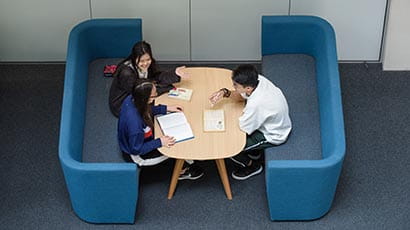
{"points": [[265, 118]]}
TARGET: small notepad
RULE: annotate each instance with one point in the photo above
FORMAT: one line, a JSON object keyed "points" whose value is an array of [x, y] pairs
{"points": [[180, 93], [214, 120]]}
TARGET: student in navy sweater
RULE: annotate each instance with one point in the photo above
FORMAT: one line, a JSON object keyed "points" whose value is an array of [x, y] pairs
{"points": [[135, 130]]}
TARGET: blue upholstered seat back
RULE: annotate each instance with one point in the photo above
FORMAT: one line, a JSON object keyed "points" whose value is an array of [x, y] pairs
{"points": [[315, 37], [99, 192], [87, 42], [303, 189]]}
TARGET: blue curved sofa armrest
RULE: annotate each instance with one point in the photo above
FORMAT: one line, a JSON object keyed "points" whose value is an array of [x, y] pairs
{"points": [[304, 189], [103, 192], [99, 192]]}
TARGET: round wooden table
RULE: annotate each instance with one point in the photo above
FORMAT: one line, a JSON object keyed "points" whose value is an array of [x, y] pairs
{"points": [[206, 145]]}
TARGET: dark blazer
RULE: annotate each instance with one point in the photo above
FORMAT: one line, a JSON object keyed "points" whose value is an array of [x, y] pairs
{"points": [[125, 77]]}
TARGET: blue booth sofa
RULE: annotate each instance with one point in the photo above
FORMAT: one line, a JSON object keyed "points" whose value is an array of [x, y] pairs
{"points": [[99, 192], [302, 174]]}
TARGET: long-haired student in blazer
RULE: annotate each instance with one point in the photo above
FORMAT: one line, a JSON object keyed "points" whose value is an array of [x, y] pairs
{"points": [[140, 64], [136, 125]]}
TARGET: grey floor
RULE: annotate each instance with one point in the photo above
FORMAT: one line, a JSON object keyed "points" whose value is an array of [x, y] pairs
{"points": [[373, 191]]}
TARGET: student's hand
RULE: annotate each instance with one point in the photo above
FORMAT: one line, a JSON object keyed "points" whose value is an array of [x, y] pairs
{"points": [[175, 108], [216, 97], [167, 141], [180, 71]]}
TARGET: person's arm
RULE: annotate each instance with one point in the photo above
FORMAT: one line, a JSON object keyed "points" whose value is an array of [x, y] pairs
{"points": [[127, 79], [164, 80], [236, 96], [171, 76], [139, 147], [224, 92], [163, 109], [166, 77], [158, 109], [121, 87], [250, 120]]}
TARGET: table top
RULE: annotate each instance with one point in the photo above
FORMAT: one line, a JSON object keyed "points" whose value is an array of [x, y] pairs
{"points": [[206, 145]]}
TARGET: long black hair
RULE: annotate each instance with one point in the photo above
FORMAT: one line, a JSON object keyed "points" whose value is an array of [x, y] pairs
{"points": [[139, 49], [141, 94]]}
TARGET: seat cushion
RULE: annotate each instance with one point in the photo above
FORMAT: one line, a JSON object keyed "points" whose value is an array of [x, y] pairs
{"points": [[295, 75], [100, 132]]}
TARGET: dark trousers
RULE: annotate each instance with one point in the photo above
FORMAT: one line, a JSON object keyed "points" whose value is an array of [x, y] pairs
{"points": [[255, 144]]}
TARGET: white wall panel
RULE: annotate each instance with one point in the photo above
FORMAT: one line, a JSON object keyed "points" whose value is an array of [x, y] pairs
{"points": [[230, 30], [38, 30], [226, 30], [165, 24], [397, 40], [358, 24]]}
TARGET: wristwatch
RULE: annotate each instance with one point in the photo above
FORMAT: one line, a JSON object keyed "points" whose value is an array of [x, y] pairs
{"points": [[226, 92]]}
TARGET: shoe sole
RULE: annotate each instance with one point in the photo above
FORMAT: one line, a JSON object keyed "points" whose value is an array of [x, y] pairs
{"points": [[253, 157], [250, 175], [191, 178], [238, 162]]}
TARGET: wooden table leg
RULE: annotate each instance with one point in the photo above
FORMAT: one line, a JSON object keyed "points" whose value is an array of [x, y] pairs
{"points": [[220, 163], [174, 180]]}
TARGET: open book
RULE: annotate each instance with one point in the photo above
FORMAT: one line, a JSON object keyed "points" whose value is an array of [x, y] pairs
{"points": [[175, 125], [180, 93], [214, 120]]}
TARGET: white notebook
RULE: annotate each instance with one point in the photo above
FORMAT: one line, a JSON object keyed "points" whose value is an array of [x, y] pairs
{"points": [[214, 120], [175, 125]]}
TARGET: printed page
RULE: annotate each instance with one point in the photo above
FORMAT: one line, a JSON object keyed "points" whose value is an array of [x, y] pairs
{"points": [[180, 133], [175, 125], [214, 120], [172, 119]]}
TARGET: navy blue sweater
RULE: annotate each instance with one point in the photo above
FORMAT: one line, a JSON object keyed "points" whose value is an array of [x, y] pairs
{"points": [[134, 136]]}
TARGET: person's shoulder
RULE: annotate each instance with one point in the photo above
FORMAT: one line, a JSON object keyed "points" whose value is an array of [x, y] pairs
{"points": [[125, 69], [128, 99], [129, 111], [260, 76], [127, 104], [267, 84], [264, 80], [253, 103]]}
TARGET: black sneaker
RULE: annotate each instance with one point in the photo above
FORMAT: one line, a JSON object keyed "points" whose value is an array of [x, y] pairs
{"points": [[239, 161], [193, 172], [245, 173], [255, 155]]}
